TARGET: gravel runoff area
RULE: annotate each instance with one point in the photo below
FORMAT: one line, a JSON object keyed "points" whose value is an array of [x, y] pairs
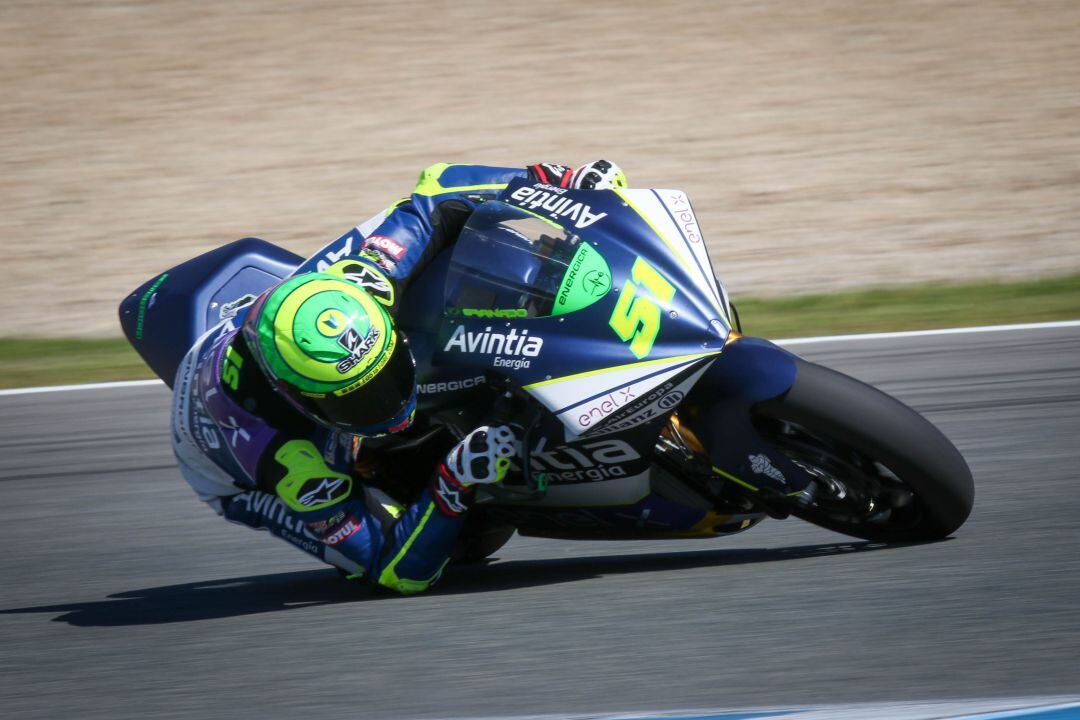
{"points": [[826, 143]]}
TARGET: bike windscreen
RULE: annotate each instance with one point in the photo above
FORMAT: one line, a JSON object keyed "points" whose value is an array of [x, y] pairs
{"points": [[510, 263]]}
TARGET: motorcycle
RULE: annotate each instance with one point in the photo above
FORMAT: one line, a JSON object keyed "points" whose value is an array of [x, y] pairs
{"points": [[592, 321]]}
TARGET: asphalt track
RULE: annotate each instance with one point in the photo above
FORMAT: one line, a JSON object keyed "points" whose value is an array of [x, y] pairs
{"points": [[123, 596]]}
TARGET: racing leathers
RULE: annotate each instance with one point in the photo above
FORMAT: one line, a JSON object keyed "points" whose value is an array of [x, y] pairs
{"points": [[257, 462]]}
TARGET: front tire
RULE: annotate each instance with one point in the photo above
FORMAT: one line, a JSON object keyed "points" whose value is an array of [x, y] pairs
{"points": [[883, 471]]}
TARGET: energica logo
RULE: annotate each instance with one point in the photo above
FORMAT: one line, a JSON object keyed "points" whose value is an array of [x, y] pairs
{"points": [[587, 279], [449, 386], [596, 282]]}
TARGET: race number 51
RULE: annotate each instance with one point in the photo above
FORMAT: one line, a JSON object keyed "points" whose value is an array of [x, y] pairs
{"points": [[636, 318]]}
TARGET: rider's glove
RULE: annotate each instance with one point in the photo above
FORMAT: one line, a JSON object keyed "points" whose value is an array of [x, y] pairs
{"points": [[482, 457], [599, 175], [551, 174]]}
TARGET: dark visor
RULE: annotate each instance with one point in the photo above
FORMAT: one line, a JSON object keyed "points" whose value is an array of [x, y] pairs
{"points": [[380, 400]]}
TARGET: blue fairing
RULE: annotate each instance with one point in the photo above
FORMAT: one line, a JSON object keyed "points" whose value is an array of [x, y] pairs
{"points": [[164, 317], [514, 252], [750, 369]]}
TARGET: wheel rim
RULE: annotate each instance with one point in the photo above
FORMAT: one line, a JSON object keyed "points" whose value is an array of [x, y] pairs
{"points": [[854, 494]]}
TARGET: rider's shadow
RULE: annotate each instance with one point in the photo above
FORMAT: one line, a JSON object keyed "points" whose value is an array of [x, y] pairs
{"points": [[235, 597]]}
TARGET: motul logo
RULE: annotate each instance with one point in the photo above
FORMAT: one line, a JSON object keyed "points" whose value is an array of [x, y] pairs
{"points": [[390, 247], [343, 533]]}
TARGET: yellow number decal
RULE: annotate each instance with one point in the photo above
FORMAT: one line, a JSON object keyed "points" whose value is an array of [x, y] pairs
{"points": [[637, 319], [230, 368]]}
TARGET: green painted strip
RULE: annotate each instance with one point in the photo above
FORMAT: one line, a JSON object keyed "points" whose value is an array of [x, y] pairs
{"points": [[143, 301], [734, 479]]}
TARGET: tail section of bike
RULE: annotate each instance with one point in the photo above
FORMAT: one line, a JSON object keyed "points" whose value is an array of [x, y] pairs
{"points": [[165, 315]]}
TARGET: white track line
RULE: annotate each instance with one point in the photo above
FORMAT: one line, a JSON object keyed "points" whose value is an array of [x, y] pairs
{"points": [[926, 333], [1000, 709], [791, 341], [87, 386]]}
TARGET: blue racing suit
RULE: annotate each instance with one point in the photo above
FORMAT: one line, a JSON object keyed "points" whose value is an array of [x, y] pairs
{"points": [[266, 467]]}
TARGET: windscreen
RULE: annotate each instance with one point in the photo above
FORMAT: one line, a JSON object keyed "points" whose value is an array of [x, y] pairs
{"points": [[511, 263]]}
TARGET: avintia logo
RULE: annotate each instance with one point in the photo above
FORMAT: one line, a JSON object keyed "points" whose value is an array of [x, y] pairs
{"points": [[520, 345], [553, 203]]}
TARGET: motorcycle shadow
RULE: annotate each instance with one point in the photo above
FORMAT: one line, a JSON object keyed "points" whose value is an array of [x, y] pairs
{"points": [[255, 594]]}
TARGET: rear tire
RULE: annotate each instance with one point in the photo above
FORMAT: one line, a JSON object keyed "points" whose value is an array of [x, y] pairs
{"points": [[876, 447]]}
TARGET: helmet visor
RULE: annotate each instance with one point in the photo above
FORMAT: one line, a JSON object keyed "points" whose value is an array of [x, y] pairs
{"points": [[365, 409]]}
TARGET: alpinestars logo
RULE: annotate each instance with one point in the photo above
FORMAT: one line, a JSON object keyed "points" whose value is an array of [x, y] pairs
{"points": [[449, 495], [487, 342], [761, 465], [367, 277], [358, 347], [552, 202], [322, 494]]}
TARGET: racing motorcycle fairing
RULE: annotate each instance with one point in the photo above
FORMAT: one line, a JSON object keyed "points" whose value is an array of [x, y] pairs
{"points": [[750, 371], [587, 299], [165, 315], [650, 517]]}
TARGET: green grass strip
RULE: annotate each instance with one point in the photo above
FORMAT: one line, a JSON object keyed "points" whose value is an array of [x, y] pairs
{"points": [[32, 362], [922, 307]]}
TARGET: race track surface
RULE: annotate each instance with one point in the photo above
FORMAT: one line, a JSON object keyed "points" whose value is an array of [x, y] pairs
{"points": [[122, 595]]}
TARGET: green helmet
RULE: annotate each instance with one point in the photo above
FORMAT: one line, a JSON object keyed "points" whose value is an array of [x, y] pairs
{"points": [[331, 349]]}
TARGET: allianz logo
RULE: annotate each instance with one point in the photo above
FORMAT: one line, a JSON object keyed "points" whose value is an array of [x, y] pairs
{"points": [[534, 198]]}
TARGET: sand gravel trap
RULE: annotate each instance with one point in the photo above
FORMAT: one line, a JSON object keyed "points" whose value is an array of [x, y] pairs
{"points": [[826, 144]]}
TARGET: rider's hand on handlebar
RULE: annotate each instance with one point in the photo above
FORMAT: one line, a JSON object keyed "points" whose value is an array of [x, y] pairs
{"points": [[599, 175], [483, 456]]}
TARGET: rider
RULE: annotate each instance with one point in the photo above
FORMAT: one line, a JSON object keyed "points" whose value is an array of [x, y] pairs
{"points": [[267, 418]]}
